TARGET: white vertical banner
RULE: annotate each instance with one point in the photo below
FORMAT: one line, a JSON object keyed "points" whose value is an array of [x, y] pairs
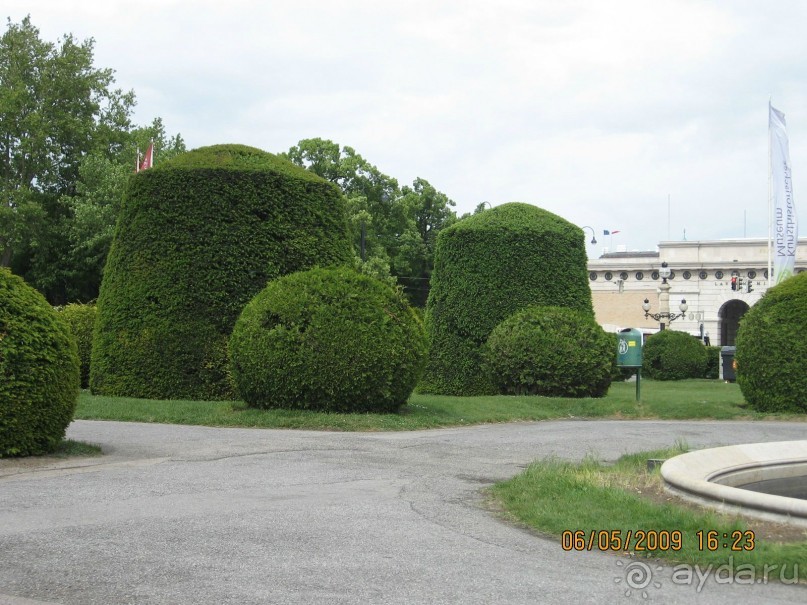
{"points": [[785, 224]]}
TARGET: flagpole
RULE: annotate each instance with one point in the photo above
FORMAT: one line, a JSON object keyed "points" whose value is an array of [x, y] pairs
{"points": [[770, 202], [669, 222]]}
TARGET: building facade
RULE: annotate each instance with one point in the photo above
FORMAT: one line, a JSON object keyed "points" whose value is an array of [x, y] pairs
{"points": [[701, 274]]}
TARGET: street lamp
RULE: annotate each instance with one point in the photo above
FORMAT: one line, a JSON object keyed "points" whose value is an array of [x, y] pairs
{"points": [[593, 238], [664, 301]]}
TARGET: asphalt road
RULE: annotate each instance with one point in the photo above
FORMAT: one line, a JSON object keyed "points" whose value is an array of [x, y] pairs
{"points": [[195, 515]]}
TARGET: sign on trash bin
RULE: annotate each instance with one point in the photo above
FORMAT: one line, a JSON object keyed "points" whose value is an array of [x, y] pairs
{"points": [[629, 348]]}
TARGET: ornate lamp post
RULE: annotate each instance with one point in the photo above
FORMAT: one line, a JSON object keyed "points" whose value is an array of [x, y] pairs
{"points": [[664, 301], [593, 237]]}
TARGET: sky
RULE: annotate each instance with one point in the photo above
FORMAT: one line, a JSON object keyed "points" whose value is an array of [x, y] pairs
{"points": [[647, 118]]}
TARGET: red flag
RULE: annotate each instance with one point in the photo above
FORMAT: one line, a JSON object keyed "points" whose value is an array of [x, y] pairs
{"points": [[148, 159]]}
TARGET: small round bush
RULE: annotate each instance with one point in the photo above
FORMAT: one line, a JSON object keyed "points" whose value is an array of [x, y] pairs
{"points": [[327, 339], [671, 355], [81, 320], [551, 351], [39, 371], [772, 349]]}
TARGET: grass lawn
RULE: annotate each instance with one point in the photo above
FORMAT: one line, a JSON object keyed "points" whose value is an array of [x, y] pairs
{"points": [[689, 399], [554, 497], [68, 448]]}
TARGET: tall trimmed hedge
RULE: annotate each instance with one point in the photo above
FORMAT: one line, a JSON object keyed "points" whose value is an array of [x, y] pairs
{"points": [[487, 267], [673, 355], [197, 238], [771, 351], [327, 339], [39, 371]]}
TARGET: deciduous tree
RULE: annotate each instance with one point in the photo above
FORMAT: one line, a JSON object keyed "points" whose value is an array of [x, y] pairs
{"points": [[67, 144], [393, 227]]}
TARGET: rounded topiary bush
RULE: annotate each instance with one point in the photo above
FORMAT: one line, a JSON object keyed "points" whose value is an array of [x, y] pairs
{"points": [[671, 355], [771, 351], [81, 320], [198, 236], [327, 339], [39, 371], [551, 351], [487, 267]]}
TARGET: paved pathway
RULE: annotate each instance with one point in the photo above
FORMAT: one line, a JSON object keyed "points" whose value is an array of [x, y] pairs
{"points": [[196, 515]]}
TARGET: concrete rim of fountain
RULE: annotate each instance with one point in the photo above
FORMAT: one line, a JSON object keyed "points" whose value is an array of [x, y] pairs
{"points": [[710, 477]]}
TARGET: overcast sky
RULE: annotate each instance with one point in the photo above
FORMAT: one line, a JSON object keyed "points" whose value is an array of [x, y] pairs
{"points": [[599, 111]]}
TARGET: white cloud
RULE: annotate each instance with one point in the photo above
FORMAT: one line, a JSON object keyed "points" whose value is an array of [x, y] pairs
{"points": [[595, 110]]}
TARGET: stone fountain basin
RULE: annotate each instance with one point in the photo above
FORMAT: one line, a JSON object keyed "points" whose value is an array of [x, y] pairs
{"points": [[712, 477]]}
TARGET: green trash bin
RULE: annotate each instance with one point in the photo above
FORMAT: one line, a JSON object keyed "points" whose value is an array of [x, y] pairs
{"points": [[629, 354], [629, 348], [728, 366]]}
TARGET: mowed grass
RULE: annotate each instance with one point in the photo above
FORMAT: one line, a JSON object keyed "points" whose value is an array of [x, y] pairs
{"points": [[69, 448], [553, 497], [690, 399]]}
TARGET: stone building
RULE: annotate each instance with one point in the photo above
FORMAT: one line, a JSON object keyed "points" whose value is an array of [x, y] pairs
{"points": [[702, 273]]}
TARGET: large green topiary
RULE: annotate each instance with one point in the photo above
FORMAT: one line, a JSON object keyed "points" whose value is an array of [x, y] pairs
{"points": [[487, 267], [771, 351], [197, 238], [39, 371], [81, 320], [327, 339], [672, 355], [551, 351]]}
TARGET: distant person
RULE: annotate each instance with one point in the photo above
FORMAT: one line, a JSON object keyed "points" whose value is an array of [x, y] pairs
{"points": [[706, 339]]}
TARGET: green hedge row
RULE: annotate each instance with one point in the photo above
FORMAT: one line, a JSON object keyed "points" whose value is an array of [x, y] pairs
{"points": [[81, 319]]}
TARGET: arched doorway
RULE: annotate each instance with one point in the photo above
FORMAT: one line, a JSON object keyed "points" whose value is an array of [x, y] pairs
{"points": [[730, 315]]}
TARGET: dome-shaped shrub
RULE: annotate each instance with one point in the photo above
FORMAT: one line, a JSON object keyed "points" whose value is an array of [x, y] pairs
{"points": [[81, 320], [487, 267], [671, 355], [327, 339], [772, 349], [550, 351], [198, 236], [39, 371]]}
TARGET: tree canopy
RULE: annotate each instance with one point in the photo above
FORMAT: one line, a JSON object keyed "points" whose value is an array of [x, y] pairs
{"points": [[394, 228], [67, 146]]}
